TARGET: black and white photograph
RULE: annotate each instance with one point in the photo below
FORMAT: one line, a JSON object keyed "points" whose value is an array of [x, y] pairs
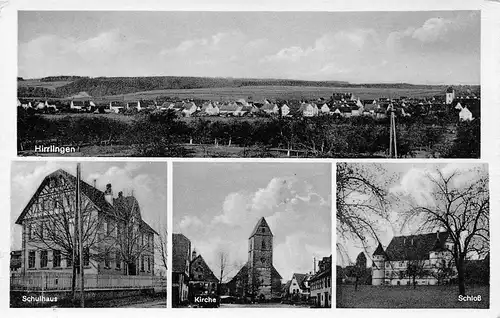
{"points": [[413, 235], [251, 235], [88, 234], [249, 84]]}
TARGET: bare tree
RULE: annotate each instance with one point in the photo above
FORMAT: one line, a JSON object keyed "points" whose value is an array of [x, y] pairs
{"points": [[162, 248], [54, 227], [461, 207], [124, 235], [361, 202]]}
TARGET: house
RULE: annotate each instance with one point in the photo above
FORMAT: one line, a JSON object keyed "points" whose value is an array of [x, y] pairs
{"points": [[258, 279], [458, 106], [202, 280], [181, 259], [307, 110], [134, 105], [325, 109], [425, 256], [117, 106], [229, 109], [244, 110], [270, 109], [209, 109], [299, 286], [285, 110], [47, 231], [188, 109], [465, 115], [320, 283]]}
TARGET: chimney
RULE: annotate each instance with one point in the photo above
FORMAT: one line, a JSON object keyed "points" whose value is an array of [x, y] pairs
{"points": [[95, 180], [314, 264], [193, 255], [108, 194]]}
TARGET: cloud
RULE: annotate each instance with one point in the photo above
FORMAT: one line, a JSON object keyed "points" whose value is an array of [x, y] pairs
{"points": [[190, 222], [340, 41], [217, 41], [48, 55]]}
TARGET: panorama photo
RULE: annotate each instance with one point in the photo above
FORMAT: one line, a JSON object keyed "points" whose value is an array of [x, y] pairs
{"points": [[249, 84]]}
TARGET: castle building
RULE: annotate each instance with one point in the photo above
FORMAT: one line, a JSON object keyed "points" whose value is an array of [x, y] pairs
{"points": [[258, 278], [424, 259]]}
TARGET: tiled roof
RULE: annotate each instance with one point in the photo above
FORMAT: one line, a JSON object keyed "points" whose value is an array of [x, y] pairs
{"points": [[415, 247]]}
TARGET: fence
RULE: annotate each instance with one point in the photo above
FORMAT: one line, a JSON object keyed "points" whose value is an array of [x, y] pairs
{"points": [[46, 281]]}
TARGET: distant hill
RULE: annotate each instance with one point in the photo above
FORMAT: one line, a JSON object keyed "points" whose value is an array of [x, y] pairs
{"points": [[108, 86]]}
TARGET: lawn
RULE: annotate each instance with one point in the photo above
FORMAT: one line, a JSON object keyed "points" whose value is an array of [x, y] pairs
{"points": [[368, 296]]}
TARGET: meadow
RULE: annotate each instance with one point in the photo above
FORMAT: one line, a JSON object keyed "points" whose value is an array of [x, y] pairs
{"points": [[368, 296], [281, 92]]}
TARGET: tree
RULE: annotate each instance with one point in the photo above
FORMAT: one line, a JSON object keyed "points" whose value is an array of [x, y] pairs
{"points": [[123, 234], [55, 209], [460, 205], [161, 248], [222, 262], [361, 202]]}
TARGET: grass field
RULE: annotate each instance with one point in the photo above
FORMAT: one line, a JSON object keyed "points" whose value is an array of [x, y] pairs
{"points": [[282, 92], [113, 116], [368, 296]]}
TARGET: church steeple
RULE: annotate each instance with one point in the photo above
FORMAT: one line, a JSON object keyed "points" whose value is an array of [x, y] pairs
{"points": [[261, 228]]}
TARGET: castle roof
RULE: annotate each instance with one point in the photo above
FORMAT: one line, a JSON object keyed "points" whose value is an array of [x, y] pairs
{"points": [[415, 247], [261, 224], [379, 250]]}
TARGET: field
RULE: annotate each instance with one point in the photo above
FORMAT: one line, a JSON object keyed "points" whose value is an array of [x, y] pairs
{"points": [[38, 83], [281, 92], [368, 296]]}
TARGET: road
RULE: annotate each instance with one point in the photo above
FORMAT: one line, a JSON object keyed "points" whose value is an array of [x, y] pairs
{"points": [[150, 304]]}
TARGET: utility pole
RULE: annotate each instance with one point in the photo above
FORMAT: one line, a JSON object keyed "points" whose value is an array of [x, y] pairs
{"points": [[392, 133], [80, 231]]}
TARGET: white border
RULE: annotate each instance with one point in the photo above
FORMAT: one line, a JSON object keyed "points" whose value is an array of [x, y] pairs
{"points": [[490, 145]]}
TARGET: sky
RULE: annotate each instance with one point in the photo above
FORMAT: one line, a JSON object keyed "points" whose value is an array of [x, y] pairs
{"points": [[407, 182], [216, 205], [148, 181], [419, 47]]}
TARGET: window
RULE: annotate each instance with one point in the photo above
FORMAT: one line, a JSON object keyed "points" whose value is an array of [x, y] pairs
{"points": [[149, 264], [31, 259], [109, 227], [86, 257], [106, 260], [263, 230], [69, 261], [142, 239], [142, 263], [56, 255], [44, 259], [263, 245], [118, 260], [118, 230]]}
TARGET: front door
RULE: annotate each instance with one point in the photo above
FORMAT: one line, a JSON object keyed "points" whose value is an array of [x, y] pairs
{"points": [[132, 269]]}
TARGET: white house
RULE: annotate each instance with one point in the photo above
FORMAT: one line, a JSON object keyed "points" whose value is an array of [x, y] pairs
{"points": [[465, 115], [285, 110], [458, 106], [325, 109]]}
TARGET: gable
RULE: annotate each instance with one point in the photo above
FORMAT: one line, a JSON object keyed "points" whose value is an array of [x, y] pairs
{"points": [[261, 228], [199, 270]]}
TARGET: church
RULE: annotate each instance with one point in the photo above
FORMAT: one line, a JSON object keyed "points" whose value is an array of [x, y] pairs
{"points": [[258, 279], [423, 259]]}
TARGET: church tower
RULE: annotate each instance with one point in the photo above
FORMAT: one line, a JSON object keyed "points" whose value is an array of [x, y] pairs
{"points": [[260, 260]]}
